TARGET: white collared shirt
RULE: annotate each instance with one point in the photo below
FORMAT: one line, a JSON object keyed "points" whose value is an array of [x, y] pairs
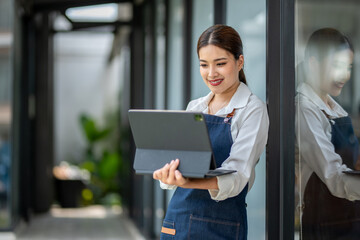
{"points": [[314, 150], [249, 130]]}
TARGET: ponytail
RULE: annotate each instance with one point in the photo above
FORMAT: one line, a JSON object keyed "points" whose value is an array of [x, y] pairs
{"points": [[242, 77]]}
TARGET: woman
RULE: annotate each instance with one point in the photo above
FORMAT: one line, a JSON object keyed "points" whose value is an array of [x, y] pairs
{"points": [[326, 142], [215, 208]]}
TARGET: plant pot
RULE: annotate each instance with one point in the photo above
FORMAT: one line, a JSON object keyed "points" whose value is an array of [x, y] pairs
{"points": [[69, 192]]}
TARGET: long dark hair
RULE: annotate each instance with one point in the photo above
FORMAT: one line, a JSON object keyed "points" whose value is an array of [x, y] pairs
{"points": [[224, 37]]}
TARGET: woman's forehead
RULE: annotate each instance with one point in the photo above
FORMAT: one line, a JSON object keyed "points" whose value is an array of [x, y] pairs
{"points": [[213, 52]]}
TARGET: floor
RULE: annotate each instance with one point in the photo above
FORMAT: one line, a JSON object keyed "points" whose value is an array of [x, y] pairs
{"points": [[94, 222]]}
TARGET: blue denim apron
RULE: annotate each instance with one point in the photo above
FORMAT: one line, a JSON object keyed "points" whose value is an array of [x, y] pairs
{"points": [[192, 214], [326, 216]]}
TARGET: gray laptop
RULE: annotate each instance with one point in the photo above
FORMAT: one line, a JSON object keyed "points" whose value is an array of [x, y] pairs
{"points": [[161, 136], [352, 172]]}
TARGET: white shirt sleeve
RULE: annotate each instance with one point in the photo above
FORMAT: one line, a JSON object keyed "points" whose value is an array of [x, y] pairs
{"points": [[167, 186], [317, 153], [251, 128]]}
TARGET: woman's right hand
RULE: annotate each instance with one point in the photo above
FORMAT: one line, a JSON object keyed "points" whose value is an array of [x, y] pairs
{"points": [[170, 175]]}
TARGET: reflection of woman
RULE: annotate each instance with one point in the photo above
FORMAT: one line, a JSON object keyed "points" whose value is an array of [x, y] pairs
{"points": [[237, 121], [326, 141]]}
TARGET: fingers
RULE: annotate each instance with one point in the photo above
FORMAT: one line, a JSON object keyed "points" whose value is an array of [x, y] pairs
{"points": [[157, 174], [169, 173], [161, 173], [165, 172], [173, 166], [179, 178]]}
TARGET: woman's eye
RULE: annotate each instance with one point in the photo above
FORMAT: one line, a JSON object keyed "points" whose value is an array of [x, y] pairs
{"points": [[221, 64], [203, 65]]}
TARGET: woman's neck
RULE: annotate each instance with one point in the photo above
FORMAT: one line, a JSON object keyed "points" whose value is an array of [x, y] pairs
{"points": [[221, 100], [226, 95], [324, 96]]}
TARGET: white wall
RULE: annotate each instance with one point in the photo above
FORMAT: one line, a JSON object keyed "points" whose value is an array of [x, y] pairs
{"points": [[84, 83]]}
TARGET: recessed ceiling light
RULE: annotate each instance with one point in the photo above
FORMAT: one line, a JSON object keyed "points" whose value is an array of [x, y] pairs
{"points": [[96, 13]]}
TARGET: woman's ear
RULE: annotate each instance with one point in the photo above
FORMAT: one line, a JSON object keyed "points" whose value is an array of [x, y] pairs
{"points": [[313, 64], [240, 62], [313, 73]]}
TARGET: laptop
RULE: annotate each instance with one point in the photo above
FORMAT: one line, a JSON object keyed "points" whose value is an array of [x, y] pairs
{"points": [[352, 172], [161, 136]]}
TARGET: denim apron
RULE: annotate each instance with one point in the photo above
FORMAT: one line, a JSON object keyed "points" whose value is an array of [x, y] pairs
{"points": [[326, 216], [192, 214]]}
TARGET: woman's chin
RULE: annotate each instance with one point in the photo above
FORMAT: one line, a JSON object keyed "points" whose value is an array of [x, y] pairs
{"points": [[335, 93]]}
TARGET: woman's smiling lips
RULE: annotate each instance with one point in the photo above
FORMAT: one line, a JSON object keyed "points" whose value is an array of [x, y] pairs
{"points": [[339, 84], [215, 82]]}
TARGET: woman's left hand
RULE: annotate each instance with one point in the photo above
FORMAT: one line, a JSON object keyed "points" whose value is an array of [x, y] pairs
{"points": [[170, 175]]}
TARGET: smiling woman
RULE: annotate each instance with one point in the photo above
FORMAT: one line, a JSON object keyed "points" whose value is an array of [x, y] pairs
{"points": [[329, 56], [326, 142], [237, 121]]}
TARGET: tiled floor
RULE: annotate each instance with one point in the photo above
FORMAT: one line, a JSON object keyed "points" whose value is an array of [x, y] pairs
{"points": [[95, 222]]}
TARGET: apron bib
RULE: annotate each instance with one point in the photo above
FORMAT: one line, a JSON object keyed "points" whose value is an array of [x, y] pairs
{"points": [[326, 216], [192, 214]]}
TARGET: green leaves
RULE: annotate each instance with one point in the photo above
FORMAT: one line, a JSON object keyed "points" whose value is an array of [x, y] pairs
{"points": [[109, 165], [102, 158], [92, 132]]}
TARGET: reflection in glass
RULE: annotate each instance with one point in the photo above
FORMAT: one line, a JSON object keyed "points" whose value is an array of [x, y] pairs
{"points": [[6, 80], [325, 140]]}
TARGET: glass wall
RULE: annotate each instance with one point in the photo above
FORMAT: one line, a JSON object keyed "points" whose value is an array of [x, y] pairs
{"points": [[6, 81], [250, 22], [203, 17], [160, 53], [160, 62], [327, 119], [175, 55]]}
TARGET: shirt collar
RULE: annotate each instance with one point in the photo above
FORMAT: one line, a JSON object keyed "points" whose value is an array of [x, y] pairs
{"points": [[336, 111], [238, 100]]}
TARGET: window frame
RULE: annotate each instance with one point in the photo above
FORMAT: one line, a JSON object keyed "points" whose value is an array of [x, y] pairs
{"points": [[280, 88]]}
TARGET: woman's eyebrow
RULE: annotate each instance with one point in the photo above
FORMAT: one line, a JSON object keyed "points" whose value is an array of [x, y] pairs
{"points": [[220, 59], [215, 60], [343, 62]]}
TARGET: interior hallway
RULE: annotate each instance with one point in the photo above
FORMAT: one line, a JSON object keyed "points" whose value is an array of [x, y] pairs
{"points": [[94, 222]]}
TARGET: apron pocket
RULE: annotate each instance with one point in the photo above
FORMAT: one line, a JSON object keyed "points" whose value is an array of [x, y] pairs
{"points": [[214, 229], [168, 230]]}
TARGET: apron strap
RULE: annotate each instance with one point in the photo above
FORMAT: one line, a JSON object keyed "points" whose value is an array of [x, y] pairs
{"points": [[231, 114], [327, 115]]}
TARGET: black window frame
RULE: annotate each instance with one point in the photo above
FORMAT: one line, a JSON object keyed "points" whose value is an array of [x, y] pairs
{"points": [[280, 87]]}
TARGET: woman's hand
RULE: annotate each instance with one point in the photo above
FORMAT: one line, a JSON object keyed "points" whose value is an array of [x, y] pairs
{"points": [[170, 175]]}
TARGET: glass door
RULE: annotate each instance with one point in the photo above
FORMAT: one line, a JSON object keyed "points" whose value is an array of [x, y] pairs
{"points": [[6, 77], [327, 119]]}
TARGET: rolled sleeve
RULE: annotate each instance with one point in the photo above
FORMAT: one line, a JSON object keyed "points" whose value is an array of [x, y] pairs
{"points": [[225, 184], [167, 186], [250, 131]]}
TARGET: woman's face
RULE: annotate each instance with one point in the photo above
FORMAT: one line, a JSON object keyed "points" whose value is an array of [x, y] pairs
{"points": [[219, 69], [335, 71]]}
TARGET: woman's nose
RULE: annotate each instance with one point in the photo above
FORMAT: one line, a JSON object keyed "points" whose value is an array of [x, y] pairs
{"points": [[346, 73], [212, 71]]}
